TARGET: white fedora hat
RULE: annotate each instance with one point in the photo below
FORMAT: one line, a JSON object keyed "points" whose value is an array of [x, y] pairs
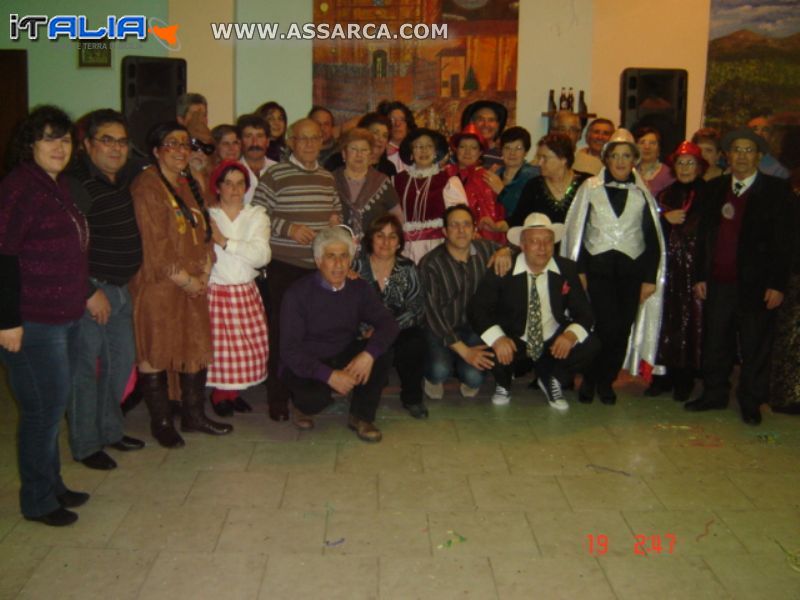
{"points": [[536, 221]]}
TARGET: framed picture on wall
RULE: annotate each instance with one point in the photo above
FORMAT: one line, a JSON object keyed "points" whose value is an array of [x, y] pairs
{"points": [[94, 54]]}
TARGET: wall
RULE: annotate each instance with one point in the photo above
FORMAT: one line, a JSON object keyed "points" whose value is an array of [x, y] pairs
{"points": [[53, 72], [209, 62], [646, 33], [274, 70]]}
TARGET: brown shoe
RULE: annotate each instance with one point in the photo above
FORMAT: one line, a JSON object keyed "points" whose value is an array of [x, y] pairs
{"points": [[301, 420], [365, 431]]}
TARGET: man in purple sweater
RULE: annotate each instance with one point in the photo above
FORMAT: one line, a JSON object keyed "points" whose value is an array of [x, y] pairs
{"points": [[321, 347]]}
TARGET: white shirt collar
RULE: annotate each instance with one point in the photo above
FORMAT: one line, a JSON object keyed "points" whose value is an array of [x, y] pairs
{"points": [[747, 182], [521, 266], [294, 161]]}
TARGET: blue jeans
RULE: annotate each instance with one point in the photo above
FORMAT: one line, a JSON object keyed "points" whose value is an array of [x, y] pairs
{"points": [[41, 375], [94, 413], [442, 361]]}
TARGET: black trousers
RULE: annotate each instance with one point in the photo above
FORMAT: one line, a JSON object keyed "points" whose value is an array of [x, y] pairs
{"points": [[311, 396], [615, 301], [547, 365], [409, 353], [280, 276], [724, 319]]}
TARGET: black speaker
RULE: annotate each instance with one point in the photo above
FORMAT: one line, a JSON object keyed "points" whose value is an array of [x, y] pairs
{"points": [[150, 90], [655, 98]]}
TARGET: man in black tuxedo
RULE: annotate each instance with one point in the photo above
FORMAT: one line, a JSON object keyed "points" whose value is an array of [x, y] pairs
{"points": [[536, 315], [743, 264]]}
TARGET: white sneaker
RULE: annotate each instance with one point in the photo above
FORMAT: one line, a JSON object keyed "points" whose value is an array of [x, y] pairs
{"points": [[469, 392], [552, 391], [501, 396], [434, 391]]}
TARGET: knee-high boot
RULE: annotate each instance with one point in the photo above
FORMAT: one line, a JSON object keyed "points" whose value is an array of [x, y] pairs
{"points": [[193, 416], [156, 397]]}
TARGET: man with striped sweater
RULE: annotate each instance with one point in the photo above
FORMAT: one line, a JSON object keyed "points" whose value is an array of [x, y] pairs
{"points": [[300, 198]]}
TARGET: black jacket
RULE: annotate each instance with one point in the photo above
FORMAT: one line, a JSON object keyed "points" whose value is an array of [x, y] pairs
{"points": [[766, 240], [503, 300]]}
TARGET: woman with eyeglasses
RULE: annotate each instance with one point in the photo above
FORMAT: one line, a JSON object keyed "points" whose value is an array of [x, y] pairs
{"points": [[170, 308], [612, 231], [44, 275], [551, 193], [681, 205], [366, 194], [516, 172]]}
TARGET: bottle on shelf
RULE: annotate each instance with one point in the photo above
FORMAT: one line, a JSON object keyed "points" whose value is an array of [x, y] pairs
{"points": [[582, 108], [551, 102], [562, 100], [571, 101]]}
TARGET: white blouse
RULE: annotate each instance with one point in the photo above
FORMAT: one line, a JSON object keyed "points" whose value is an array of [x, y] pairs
{"points": [[247, 249]]}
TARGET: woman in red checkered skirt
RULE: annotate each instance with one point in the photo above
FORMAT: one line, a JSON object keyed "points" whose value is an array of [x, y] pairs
{"points": [[238, 320]]}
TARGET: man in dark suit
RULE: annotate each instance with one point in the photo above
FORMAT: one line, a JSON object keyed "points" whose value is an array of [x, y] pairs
{"points": [[536, 315], [743, 264]]}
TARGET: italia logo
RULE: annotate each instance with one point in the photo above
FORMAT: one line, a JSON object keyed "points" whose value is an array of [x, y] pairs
{"points": [[76, 27]]}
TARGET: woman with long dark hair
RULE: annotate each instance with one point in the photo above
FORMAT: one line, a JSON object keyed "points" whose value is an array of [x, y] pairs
{"points": [[170, 309]]}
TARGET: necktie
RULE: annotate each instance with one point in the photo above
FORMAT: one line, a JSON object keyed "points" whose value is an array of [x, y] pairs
{"points": [[737, 188], [533, 330]]}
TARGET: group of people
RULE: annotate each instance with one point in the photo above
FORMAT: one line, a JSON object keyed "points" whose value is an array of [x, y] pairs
{"points": [[265, 252]]}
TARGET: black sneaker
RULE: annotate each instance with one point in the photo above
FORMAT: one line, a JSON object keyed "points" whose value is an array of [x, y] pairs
{"points": [[552, 391]]}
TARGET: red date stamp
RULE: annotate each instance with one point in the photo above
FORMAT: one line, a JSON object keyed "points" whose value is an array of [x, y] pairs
{"points": [[643, 545]]}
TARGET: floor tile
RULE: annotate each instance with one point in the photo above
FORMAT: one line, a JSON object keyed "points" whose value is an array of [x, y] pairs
{"points": [[480, 457], [274, 532], [204, 575], [636, 459], [417, 431], [360, 458], [428, 492], [19, 562], [684, 532], [174, 528], [494, 430], [769, 490], [501, 492], [309, 491], [663, 577], [697, 491], [299, 576], [549, 458], [220, 488], [151, 485], [581, 534], [212, 453], [759, 529], [551, 578], [481, 533], [606, 490], [755, 576], [90, 573], [441, 577], [383, 533], [296, 457]]}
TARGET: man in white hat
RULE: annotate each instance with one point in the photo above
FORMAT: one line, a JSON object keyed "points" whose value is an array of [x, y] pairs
{"points": [[536, 315]]}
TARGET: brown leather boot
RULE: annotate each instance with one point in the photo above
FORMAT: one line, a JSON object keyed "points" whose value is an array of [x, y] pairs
{"points": [[193, 416], [156, 397]]}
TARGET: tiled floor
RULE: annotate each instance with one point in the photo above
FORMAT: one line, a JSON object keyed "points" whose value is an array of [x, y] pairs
{"points": [[476, 502]]}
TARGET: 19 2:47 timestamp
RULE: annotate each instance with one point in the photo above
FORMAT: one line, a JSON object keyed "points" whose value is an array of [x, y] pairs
{"points": [[643, 545]]}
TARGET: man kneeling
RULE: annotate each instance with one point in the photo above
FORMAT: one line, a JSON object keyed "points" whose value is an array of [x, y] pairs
{"points": [[321, 348], [536, 315]]}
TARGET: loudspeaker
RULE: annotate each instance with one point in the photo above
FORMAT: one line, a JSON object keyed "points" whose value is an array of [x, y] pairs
{"points": [[150, 91], [655, 98]]}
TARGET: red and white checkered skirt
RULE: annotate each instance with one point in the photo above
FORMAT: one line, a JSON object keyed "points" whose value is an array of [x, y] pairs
{"points": [[238, 335]]}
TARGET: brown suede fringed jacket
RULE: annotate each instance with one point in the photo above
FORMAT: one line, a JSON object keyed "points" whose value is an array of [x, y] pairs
{"points": [[172, 329]]}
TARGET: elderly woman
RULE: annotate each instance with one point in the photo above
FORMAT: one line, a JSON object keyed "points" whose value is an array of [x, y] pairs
{"points": [[468, 146], [681, 205], [238, 322], [321, 344], [515, 143], [43, 290], [425, 191], [612, 232], [552, 192], [709, 141], [170, 308], [228, 146], [365, 193], [402, 122], [378, 126], [396, 280], [655, 174], [275, 116]]}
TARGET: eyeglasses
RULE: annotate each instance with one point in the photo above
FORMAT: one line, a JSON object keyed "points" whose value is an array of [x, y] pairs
{"points": [[743, 150], [620, 156], [514, 148], [686, 163], [174, 146], [110, 142]]}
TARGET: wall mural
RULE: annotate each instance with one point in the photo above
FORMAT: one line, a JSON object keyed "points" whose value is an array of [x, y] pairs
{"points": [[437, 78], [753, 62]]}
